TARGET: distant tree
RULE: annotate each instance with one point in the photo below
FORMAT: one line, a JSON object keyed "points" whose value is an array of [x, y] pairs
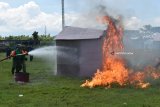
{"points": [[147, 27], [46, 38], [9, 38], [35, 35], [1, 38]]}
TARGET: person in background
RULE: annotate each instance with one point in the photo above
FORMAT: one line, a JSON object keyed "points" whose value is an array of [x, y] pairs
{"points": [[8, 51]]}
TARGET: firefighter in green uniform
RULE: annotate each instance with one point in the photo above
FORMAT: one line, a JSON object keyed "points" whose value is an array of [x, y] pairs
{"points": [[18, 59]]}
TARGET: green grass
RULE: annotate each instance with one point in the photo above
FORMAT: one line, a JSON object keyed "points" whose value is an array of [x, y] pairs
{"points": [[47, 90]]}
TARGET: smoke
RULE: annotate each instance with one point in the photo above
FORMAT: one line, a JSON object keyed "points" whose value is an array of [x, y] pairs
{"points": [[89, 17], [95, 9], [115, 8], [145, 51], [144, 48]]}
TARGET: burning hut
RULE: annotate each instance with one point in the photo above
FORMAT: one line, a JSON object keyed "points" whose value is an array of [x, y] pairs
{"points": [[79, 51], [87, 52]]}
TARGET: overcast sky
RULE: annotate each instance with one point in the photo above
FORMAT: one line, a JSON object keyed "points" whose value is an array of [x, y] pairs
{"points": [[22, 17]]}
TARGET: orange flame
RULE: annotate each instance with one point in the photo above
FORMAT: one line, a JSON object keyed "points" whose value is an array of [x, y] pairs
{"points": [[113, 67]]}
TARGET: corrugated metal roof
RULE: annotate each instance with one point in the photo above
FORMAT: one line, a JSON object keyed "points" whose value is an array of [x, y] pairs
{"points": [[75, 33]]}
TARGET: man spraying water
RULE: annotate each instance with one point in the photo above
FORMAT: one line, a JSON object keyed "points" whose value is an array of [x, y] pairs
{"points": [[19, 64], [18, 59]]}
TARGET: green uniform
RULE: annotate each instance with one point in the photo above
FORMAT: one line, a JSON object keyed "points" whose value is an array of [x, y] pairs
{"points": [[18, 62]]}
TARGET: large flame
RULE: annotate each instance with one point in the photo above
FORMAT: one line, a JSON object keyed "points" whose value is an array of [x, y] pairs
{"points": [[113, 67]]}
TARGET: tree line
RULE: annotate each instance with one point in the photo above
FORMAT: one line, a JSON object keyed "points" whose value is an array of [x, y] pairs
{"points": [[34, 36]]}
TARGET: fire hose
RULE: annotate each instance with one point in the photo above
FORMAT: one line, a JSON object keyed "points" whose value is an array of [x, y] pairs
{"points": [[12, 56]]}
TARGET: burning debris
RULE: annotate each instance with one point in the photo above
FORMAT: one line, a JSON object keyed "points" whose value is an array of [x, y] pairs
{"points": [[114, 68]]}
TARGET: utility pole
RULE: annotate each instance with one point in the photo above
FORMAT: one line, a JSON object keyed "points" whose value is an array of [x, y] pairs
{"points": [[63, 18]]}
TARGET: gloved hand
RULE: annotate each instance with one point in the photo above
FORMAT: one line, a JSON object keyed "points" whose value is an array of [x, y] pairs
{"points": [[13, 54], [25, 53]]}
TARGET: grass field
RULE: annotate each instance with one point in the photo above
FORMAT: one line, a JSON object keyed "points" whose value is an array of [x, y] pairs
{"points": [[47, 90]]}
